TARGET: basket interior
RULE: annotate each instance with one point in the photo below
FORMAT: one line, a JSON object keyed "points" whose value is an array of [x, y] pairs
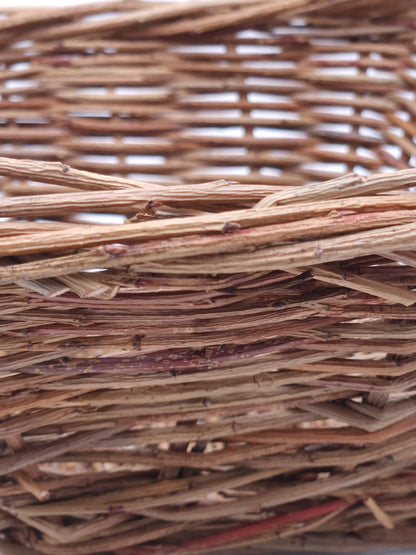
{"points": [[248, 91]]}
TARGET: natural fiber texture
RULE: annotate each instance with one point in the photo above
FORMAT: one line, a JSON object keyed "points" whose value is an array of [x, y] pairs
{"points": [[202, 350], [188, 93]]}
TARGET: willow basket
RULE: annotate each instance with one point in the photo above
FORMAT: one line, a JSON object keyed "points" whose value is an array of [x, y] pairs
{"points": [[208, 277]]}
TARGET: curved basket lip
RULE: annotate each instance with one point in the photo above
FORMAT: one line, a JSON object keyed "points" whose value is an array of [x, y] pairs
{"points": [[193, 17]]}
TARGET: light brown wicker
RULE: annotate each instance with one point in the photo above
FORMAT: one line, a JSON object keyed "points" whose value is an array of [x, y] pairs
{"points": [[209, 344]]}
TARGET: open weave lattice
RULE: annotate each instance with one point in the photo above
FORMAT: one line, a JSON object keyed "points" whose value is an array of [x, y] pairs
{"points": [[208, 345]]}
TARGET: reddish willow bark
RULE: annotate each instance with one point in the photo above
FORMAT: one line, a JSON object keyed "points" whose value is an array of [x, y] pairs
{"points": [[245, 532]]}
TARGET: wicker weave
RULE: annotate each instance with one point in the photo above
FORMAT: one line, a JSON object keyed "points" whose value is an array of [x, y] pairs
{"points": [[208, 345]]}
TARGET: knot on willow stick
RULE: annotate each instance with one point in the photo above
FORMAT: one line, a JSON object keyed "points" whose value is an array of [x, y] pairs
{"points": [[61, 62], [115, 250], [152, 206], [361, 178], [318, 251], [398, 360], [230, 226], [65, 168], [137, 342]]}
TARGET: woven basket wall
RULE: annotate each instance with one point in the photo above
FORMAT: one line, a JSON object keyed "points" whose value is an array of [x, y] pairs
{"points": [[208, 277]]}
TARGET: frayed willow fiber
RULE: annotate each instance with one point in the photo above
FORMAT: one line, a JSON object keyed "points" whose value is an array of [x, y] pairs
{"points": [[208, 346]]}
